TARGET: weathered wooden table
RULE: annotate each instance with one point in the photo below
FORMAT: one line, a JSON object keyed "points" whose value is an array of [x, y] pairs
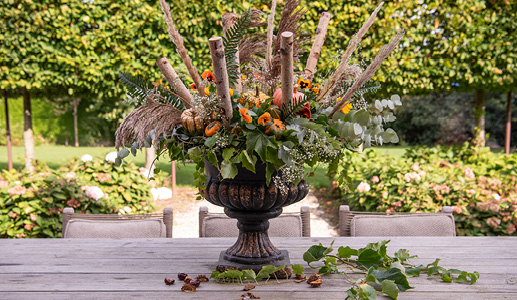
{"points": [[136, 268]]}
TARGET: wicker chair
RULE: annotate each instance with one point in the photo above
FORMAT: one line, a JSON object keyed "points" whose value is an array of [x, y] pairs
{"points": [[157, 225], [285, 225], [357, 223]]}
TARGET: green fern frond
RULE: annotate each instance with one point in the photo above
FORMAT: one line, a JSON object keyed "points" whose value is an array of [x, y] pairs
{"points": [[231, 42], [368, 87], [289, 110], [138, 88]]}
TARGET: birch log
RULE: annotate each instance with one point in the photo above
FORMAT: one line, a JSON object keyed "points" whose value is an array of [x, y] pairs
{"points": [[319, 39], [174, 80], [180, 47], [221, 78], [286, 67], [270, 28], [228, 20]]}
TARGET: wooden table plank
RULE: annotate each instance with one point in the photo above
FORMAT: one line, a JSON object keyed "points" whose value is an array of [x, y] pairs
{"points": [[135, 268]]}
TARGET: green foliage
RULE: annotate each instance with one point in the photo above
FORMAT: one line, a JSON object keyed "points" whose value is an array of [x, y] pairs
{"points": [[137, 89], [240, 276], [389, 275], [31, 204], [480, 186], [436, 119], [231, 42]]}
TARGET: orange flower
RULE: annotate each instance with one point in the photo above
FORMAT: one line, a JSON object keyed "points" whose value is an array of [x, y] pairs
{"points": [[209, 76], [277, 126], [303, 84], [193, 86], [316, 89], [244, 115], [264, 119], [243, 77]]}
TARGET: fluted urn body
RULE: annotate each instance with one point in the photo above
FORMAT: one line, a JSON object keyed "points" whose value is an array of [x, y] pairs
{"points": [[252, 202]]}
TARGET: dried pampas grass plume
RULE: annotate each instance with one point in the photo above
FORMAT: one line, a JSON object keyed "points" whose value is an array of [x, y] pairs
{"points": [[160, 117]]}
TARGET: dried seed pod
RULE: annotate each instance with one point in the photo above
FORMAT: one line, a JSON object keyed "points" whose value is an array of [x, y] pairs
{"points": [[248, 287], [195, 282], [249, 295], [301, 277], [182, 276], [188, 288], [315, 280], [316, 283], [169, 281], [202, 278], [187, 279]]}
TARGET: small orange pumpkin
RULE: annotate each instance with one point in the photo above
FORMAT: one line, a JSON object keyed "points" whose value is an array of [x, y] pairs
{"points": [[253, 99], [277, 96], [213, 128]]}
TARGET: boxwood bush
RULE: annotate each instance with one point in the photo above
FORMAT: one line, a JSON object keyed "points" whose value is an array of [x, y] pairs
{"points": [[481, 186], [31, 204]]}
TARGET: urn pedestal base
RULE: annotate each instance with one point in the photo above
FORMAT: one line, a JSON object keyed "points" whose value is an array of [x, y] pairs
{"points": [[252, 202]]}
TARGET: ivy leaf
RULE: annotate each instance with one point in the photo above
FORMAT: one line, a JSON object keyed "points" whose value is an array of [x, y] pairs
{"points": [[249, 275], [369, 258], [367, 291], [346, 252], [210, 142], [212, 159], [297, 269], [266, 271], [390, 288], [314, 253], [248, 161], [228, 153], [394, 274], [270, 169], [228, 170], [414, 272], [258, 142]]}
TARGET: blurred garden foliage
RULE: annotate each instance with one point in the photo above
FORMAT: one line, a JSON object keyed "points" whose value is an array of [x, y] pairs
{"points": [[31, 204], [480, 186], [63, 50]]}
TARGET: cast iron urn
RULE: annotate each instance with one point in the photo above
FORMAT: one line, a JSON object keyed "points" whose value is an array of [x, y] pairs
{"points": [[248, 199]]}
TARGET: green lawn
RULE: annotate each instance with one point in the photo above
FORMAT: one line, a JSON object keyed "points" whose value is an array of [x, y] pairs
{"points": [[55, 156]]}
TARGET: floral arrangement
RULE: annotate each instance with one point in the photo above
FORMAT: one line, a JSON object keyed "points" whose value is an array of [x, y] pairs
{"points": [[253, 108]]}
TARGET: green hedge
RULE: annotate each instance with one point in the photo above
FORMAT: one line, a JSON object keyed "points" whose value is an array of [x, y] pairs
{"points": [[480, 186], [31, 204]]}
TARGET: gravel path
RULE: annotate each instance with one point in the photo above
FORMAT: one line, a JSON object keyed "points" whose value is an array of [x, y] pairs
{"points": [[186, 213]]}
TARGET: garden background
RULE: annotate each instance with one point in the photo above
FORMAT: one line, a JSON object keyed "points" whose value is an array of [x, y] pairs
{"points": [[455, 71]]}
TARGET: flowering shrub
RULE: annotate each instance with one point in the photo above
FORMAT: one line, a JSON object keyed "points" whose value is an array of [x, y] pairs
{"points": [[31, 204], [480, 186]]}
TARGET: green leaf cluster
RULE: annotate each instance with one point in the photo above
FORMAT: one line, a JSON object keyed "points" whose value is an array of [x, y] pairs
{"points": [[383, 273], [240, 276]]}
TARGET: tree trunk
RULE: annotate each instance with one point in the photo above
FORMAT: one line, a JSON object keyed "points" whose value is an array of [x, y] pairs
{"points": [[75, 104], [479, 113], [173, 176], [28, 136], [508, 134], [150, 155], [8, 134]]}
